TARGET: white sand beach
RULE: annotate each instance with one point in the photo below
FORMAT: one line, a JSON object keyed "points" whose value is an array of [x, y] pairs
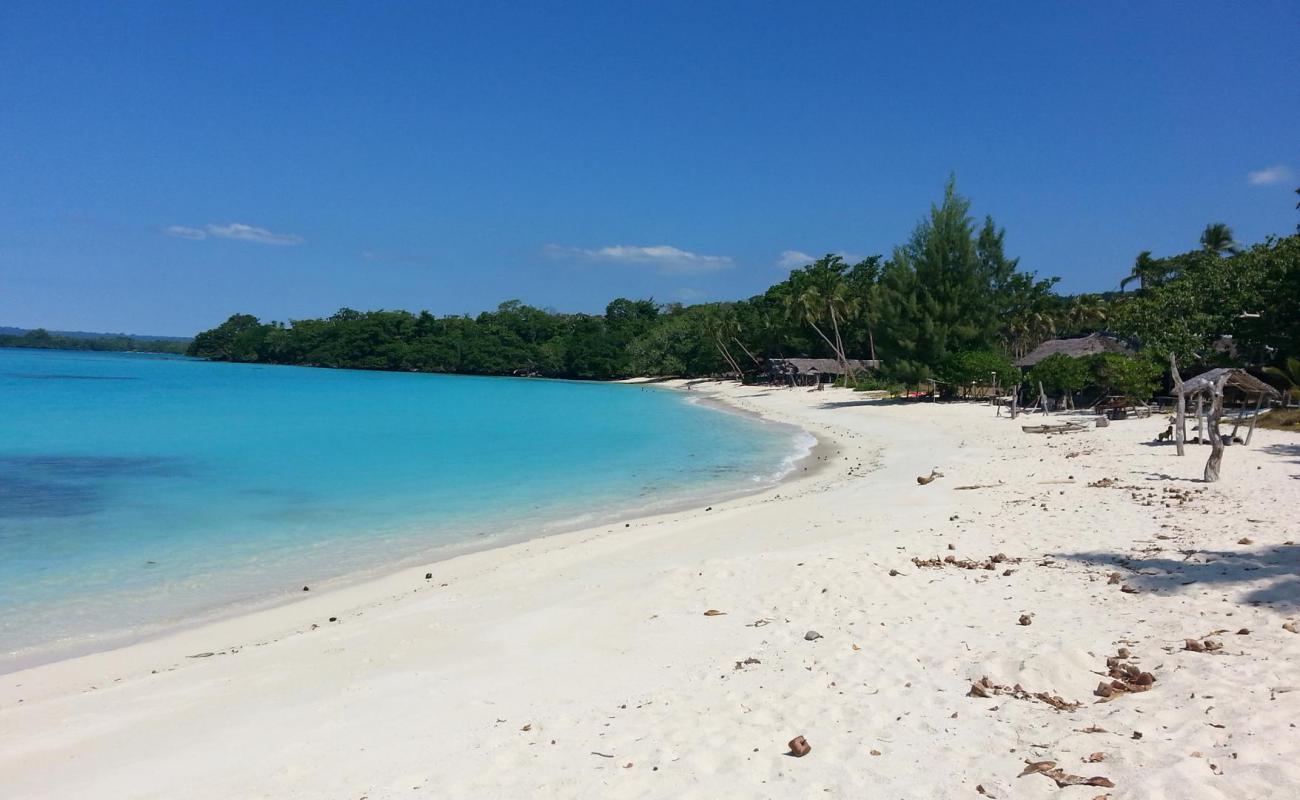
{"points": [[584, 664]]}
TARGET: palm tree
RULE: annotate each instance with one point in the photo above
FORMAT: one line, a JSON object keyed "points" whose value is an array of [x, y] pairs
{"points": [[817, 305], [1086, 311], [1288, 374], [1217, 239], [1147, 271]]}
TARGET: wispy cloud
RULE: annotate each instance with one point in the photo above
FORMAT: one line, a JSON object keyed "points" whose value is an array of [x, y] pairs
{"points": [[793, 259], [1269, 175], [235, 230], [185, 232], [664, 257]]}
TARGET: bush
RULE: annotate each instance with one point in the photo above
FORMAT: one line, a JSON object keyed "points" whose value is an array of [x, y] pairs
{"points": [[977, 367], [1060, 374], [1135, 377]]}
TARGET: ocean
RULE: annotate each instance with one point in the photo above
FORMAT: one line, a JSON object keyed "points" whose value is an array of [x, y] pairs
{"points": [[140, 492]]}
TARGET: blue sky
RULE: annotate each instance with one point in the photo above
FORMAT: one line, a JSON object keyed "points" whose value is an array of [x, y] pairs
{"points": [[163, 165]]}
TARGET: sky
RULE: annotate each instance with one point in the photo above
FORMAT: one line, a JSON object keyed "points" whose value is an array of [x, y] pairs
{"points": [[164, 165]]}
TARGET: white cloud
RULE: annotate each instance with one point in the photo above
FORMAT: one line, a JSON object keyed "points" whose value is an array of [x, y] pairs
{"points": [[794, 259], [184, 232], [1269, 175], [249, 233], [665, 257], [235, 230]]}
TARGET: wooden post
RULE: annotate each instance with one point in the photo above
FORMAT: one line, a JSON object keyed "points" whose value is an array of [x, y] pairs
{"points": [[1015, 395], [1216, 438], [1200, 425], [1251, 431], [1241, 412], [1180, 423]]}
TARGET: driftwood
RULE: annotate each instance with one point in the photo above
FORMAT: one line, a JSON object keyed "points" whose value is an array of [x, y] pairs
{"points": [[1251, 431], [1180, 425], [1064, 427], [1212, 424]]}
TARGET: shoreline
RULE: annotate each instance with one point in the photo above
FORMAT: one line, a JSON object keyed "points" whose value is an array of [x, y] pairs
{"points": [[805, 465], [585, 664]]}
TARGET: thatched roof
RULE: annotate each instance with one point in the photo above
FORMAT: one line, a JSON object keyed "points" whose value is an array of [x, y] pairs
{"points": [[823, 366], [1078, 347], [1238, 379]]}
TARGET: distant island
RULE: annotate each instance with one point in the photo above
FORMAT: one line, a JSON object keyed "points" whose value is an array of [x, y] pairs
{"points": [[41, 339]]}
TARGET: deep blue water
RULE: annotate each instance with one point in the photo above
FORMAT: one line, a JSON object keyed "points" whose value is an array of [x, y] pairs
{"points": [[139, 491]]}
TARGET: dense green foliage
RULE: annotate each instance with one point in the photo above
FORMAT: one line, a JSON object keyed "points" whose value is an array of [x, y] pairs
{"points": [[42, 339], [976, 367], [1060, 374], [948, 304]]}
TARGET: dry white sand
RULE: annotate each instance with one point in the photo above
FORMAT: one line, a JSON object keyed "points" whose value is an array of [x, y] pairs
{"points": [[583, 665]]}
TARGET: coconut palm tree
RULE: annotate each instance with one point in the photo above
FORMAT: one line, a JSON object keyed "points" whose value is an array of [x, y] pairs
{"points": [[1217, 239], [1086, 311], [1289, 374], [1146, 270]]}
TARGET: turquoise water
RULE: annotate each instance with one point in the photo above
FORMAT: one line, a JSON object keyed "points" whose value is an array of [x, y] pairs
{"points": [[141, 491]]}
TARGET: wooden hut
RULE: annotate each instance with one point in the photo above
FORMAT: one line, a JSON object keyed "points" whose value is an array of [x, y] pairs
{"points": [[1210, 390], [1076, 347], [811, 371]]}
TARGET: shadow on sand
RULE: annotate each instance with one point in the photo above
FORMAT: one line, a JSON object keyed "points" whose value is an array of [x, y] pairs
{"points": [[1274, 572]]}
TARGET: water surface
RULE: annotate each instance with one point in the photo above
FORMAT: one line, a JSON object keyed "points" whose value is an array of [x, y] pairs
{"points": [[139, 491]]}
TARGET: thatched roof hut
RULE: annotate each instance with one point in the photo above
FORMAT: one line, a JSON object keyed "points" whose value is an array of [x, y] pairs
{"points": [[1077, 347], [1238, 379], [816, 366]]}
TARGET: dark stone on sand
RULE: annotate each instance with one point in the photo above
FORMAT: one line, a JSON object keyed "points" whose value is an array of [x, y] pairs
{"points": [[812, 636]]}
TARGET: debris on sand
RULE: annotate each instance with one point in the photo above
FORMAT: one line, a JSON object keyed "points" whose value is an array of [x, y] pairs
{"points": [[1126, 678], [924, 479], [1062, 777], [799, 747], [812, 636], [986, 688], [1025, 619], [965, 563], [713, 612]]}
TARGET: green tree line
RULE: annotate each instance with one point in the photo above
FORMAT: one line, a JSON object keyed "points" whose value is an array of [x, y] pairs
{"points": [[948, 303], [42, 339]]}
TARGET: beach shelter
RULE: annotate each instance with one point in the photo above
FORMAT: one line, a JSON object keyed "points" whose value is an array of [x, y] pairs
{"points": [[1209, 389]]}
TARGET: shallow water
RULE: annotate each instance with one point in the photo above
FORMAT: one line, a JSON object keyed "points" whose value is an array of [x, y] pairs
{"points": [[139, 491]]}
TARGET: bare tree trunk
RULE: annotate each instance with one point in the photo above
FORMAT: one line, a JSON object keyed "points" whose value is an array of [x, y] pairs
{"points": [[838, 355], [1180, 430], [1200, 425], [1251, 430], [839, 346], [740, 344], [1216, 439], [726, 354]]}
